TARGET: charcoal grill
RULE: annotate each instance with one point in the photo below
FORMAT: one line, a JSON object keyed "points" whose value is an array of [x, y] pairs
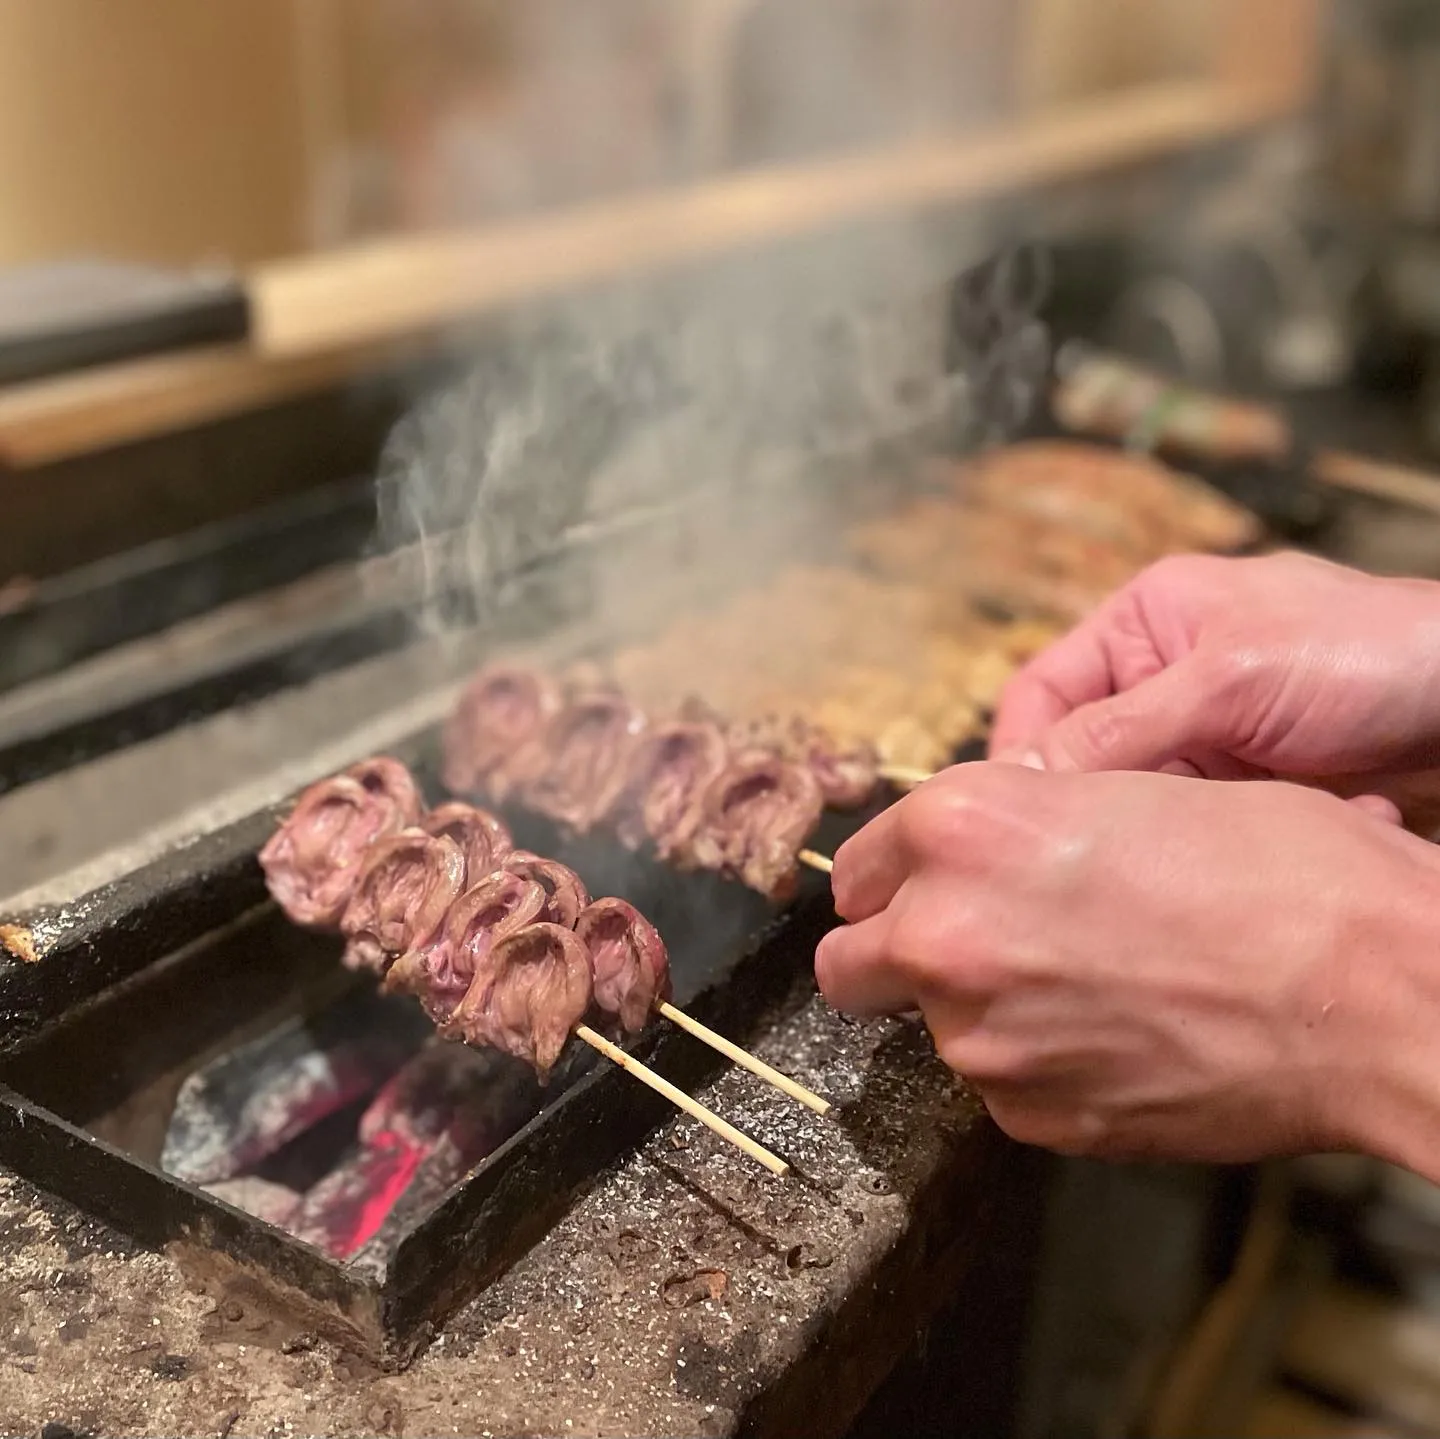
{"points": [[187, 953]]}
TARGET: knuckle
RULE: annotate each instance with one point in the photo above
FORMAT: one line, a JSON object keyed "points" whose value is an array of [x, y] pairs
{"points": [[938, 817]]}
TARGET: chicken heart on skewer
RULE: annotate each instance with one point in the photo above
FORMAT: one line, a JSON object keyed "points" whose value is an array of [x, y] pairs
{"points": [[406, 886], [532, 993], [664, 792], [847, 775], [628, 960], [587, 749], [758, 813], [440, 973], [484, 838], [312, 862], [491, 736], [565, 892]]}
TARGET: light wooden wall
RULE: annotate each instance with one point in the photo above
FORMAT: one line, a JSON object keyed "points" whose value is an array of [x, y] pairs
{"points": [[153, 129], [181, 130], [1073, 50]]}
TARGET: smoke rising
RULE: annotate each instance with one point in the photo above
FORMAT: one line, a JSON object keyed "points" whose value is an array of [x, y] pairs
{"points": [[679, 436]]}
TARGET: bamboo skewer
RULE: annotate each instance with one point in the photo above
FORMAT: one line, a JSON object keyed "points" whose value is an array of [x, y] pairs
{"points": [[681, 1100], [904, 774], [744, 1058], [816, 861]]}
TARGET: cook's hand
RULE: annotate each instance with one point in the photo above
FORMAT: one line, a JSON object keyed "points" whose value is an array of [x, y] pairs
{"points": [[1283, 665], [1145, 965]]}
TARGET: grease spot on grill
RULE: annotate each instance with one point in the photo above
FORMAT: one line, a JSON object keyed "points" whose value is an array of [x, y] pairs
{"points": [[680, 1291]]}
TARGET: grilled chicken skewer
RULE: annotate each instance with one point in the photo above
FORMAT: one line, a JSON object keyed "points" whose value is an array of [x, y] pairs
{"points": [[395, 883]]}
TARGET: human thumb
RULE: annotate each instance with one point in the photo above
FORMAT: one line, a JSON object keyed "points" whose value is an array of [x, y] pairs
{"points": [[1157, 722]]}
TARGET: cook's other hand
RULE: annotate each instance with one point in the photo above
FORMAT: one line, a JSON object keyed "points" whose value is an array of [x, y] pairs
{"points": [[1238, 668], [1146, 965]]}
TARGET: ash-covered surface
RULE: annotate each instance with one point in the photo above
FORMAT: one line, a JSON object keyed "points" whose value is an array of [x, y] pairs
{"points": [[674, 1296]]}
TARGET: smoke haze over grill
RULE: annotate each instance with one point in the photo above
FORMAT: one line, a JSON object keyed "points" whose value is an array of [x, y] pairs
{"points": [[691, 428]]}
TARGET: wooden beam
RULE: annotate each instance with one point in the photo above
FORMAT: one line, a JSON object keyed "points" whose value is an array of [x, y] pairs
{"points": [[323, 320], [391, 286], [54, 419]]}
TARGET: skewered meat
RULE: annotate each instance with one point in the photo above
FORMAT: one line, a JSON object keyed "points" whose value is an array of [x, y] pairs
{"points": [[588, 747], [888, 661], [496, 728], [1123, 499], [847, 774], [631, 968], [757, 815], [669, 774], [483, 838], [1013, 560], [526, 1001], [565, 892], [312, 861], [1106, 395], [406, 886], [440, 974]]}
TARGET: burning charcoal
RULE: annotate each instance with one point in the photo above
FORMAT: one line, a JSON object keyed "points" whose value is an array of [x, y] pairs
{"points": [[758, 814], [311, 862], [483, 837], [536, 988], [565, 892], [341, 1212], [501, 715], [252, 1101], [434, 1177], [406, 886], [440, 973], [437, 1118], [631, 968], [589, 746], [666, 785], [270, 1203]]}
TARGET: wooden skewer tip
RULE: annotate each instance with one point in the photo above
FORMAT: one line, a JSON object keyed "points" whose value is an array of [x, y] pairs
{"points": [[745, 1059], [681, 1100], [822, 862], [904, 774]]}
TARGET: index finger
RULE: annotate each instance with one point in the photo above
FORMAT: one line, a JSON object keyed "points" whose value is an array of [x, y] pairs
{"points": [[1076, 670], [870, 866]]}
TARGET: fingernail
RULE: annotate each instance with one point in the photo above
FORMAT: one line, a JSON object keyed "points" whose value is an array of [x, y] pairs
{"points": [[1032, 759]]}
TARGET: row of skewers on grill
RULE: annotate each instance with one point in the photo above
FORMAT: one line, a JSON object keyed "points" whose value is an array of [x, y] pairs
{"points": [[503, 948], [705, 793]]}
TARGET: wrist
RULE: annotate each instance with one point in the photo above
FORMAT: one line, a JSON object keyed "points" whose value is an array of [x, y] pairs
{"points": [[1383, 1069]]}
